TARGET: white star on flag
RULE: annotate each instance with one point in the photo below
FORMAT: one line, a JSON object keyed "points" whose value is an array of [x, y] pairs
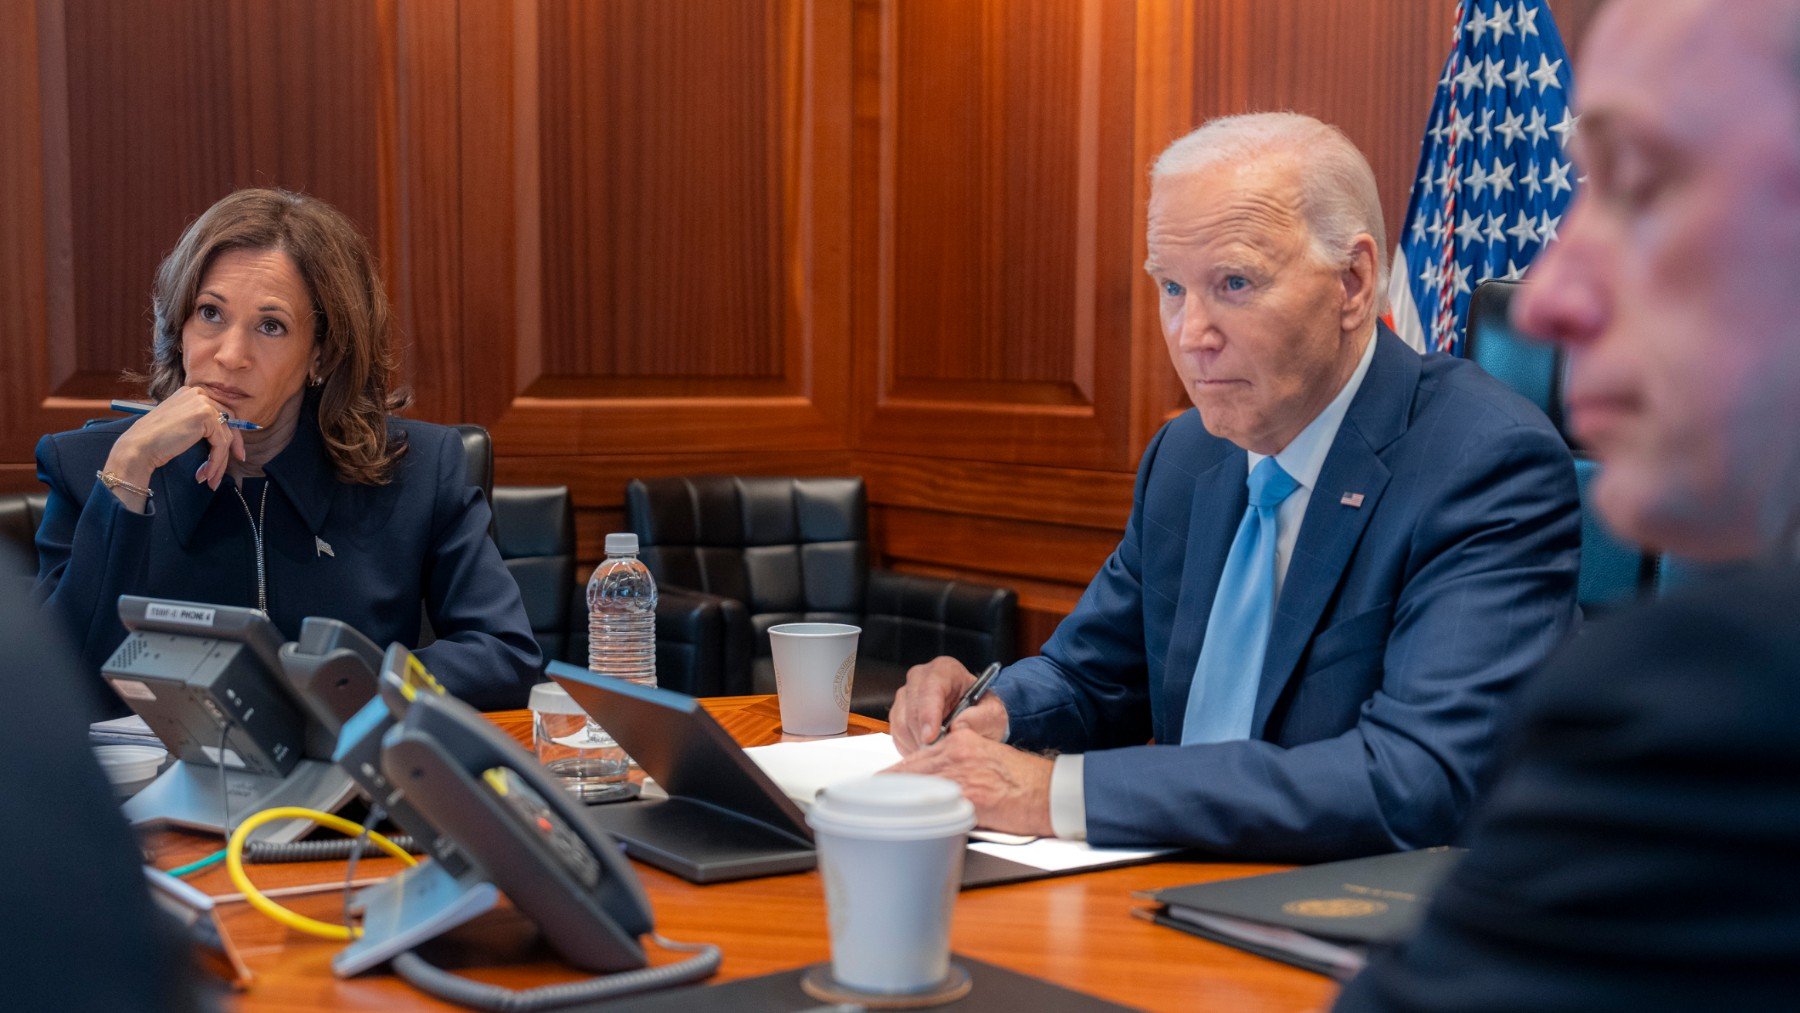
{"points": [[1558, 177], [1512, 127], [1533, 186], [1470, 78], [1501, 23], [1565, 127], [1496, 233], [1524, 231], [1545, 74], [1500, 179], [1535, 129], [1547, 227]]}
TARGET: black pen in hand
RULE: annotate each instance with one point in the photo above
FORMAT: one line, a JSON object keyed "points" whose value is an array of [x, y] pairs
{"points": [[970, 697]]}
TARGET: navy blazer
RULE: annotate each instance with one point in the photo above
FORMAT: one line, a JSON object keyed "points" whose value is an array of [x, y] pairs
{"points": [[1404, 622], [423, 537], [1637, 851]]}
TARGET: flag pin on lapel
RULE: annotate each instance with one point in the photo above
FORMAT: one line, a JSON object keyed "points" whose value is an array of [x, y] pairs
{"points": [[1352, 500], [321, 547]]}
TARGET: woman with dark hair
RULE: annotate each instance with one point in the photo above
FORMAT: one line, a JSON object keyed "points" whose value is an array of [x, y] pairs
{"points": [[269, 311]]}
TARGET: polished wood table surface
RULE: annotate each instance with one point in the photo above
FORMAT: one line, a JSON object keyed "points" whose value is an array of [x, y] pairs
{"points": [[1074, 930]]}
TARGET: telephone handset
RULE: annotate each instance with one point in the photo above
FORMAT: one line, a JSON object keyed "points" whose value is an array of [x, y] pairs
{"points": [[526, 833], [495, 819]]}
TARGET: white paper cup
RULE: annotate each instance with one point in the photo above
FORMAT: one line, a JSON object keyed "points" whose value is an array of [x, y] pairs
{"points": [[891, 854], [815, 665]]}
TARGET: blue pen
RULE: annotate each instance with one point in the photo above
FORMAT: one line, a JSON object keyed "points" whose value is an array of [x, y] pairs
{"points": [[142, 408], [970, 697]]}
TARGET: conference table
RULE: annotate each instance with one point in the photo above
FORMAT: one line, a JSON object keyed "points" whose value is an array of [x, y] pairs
{"points": [[1076, 931]]}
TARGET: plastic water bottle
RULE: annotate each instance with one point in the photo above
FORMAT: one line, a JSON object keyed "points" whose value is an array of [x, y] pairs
{"points": [[622, 614]]}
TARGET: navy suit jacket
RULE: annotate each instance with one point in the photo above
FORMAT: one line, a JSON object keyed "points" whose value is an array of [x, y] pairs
{"points": [[423, 537], [1637, 851], [1402, 626]]}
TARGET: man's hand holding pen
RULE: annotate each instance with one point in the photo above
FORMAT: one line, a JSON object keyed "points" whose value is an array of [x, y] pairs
{"points": [[1009, 787], [928, 705]]}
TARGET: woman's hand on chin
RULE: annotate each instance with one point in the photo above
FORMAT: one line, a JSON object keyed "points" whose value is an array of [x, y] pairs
{"points": [[187, 417]]}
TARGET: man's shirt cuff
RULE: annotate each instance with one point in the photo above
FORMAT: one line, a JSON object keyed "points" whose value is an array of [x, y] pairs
{"points": [[1068, 806]]}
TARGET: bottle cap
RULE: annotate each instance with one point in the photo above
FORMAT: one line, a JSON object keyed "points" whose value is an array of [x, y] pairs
{"points": [[621, 543], [551, 698]]}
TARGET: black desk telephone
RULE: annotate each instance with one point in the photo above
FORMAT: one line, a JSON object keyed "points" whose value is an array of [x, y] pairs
{"points": [[493, 817]]}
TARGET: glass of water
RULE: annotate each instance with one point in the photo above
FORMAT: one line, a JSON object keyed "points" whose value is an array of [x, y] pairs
{"points": [[576, 750]]}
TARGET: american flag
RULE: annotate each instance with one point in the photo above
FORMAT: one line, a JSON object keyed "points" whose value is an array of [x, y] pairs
{"points": [[1494, 172]]}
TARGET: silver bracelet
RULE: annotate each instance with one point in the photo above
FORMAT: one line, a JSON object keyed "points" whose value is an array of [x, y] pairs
{"points": [[115, 483]]}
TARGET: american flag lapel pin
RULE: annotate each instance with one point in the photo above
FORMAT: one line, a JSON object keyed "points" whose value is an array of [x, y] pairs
{"points": [[321, 547], [1353, 500]]}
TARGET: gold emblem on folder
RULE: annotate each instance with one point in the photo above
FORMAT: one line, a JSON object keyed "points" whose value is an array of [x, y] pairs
{"points": [[1334, 907]]}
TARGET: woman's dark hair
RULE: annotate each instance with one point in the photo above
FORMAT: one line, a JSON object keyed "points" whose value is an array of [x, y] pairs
{"points": [[350, 316]]}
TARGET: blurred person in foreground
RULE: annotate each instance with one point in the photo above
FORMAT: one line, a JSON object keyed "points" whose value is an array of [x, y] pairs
{"points": [[81, 930], [270, 310], [1335, 570], [1639, 849]]}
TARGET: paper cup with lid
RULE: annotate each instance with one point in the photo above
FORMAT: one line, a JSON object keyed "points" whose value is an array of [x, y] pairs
{"points": [[891, 854]]}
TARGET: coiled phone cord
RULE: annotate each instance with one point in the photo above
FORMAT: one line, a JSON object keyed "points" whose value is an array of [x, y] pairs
{"points": [[454, 988]]}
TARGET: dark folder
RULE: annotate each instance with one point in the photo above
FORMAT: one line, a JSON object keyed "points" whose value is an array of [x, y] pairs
{"points": [[996, 988], [1320, 917]]}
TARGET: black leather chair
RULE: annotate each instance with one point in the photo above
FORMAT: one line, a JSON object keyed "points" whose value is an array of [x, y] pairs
{"points": [[765, 551], [20, 513], [534, 527]]}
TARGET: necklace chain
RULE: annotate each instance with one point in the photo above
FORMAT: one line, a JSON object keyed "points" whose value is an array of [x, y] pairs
{"points": [[256, 530]]}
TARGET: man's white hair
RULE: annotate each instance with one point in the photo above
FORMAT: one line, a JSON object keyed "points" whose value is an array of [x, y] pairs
{"points": [[1337, 187]]}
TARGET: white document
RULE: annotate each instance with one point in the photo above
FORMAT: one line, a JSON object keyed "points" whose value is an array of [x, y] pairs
{"points": [[1053, 855], [801, 769]]}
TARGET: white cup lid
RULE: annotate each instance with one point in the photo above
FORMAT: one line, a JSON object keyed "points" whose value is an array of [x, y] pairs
{"points": [[125, 764], [894, 807], [551, 698]]}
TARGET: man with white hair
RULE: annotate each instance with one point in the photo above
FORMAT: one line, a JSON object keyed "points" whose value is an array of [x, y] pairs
{"points": [[1334, 571], [1638, 850]]}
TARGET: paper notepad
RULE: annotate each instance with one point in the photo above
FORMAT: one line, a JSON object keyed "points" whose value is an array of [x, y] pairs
{"points": [[802, 769]]}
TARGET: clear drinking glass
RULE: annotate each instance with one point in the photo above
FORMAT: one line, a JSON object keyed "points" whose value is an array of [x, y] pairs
{"points": [[568, 742]]}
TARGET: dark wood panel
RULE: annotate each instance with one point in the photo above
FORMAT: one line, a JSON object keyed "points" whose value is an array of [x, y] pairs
{"points": [[420, 190], [497, 157], [663, 230], [1094, 499], [22, 251], [1045, 552], [986, 193], [994, 223], [168, 109], [19, 478], [680, 230]]}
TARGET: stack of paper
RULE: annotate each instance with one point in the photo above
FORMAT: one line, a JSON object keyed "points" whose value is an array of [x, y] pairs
{"points": [[802, 769], [126, 731]]}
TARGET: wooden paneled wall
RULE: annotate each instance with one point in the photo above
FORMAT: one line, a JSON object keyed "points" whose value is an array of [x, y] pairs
{"points": [[899, 238]]}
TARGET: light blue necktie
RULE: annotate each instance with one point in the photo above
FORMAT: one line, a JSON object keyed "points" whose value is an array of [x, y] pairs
{"points": [[1222, 699]]}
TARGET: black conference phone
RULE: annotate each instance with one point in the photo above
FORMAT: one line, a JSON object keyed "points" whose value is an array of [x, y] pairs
{"points": [[501, 821]]}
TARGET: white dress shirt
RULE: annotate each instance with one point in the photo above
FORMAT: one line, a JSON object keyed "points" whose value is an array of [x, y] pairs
{"points": [[1303, 458]]}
